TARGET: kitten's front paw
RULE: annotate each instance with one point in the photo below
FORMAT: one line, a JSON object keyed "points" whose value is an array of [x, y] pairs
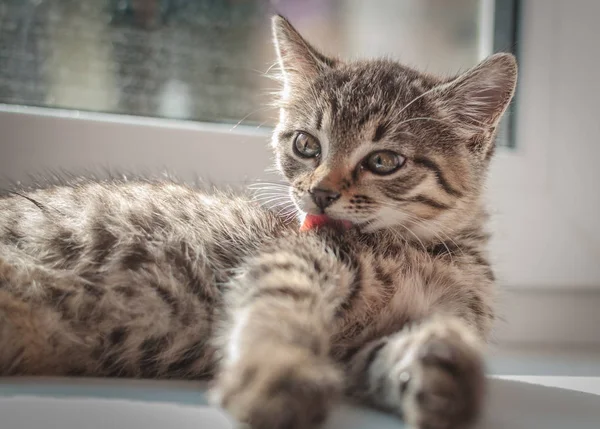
{"points": [[282, 389], [443, 386]]}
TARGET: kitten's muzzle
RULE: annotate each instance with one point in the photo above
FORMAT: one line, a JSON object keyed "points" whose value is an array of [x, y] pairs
{"points": [[323, 198]]}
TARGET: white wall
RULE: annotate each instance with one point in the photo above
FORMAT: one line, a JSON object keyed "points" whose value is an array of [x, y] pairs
{"points": [[547, 232], [545, 195], [575, 118]]}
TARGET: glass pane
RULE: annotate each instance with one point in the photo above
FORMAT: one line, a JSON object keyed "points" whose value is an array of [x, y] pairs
{"points": [[206, 60]]}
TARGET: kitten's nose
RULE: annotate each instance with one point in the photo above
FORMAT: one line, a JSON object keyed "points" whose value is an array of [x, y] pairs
{"points": [[323, 198]]}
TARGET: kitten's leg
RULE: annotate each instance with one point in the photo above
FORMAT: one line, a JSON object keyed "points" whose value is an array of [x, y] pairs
{"points": [[431, 374], [276, 372]]}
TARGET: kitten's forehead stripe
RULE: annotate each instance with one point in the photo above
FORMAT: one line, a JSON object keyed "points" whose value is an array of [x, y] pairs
{"points": [[334, 105], [379, 132], [319, 121], [368, 114]]}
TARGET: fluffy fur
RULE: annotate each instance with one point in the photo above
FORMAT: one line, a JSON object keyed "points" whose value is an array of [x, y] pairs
{"points": [[161, 280]]}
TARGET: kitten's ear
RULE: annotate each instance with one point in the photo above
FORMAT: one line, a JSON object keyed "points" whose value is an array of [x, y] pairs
{"points": [[478, 98], [297, 58]]}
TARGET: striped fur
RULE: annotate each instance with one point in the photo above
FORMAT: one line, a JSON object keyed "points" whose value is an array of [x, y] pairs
{"points": [[162, 280]]}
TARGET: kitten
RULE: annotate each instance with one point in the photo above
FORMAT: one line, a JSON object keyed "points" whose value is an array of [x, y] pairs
{"points": [[386, 296]]}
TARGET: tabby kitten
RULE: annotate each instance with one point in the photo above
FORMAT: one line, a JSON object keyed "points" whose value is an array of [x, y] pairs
{"points": [[385, 296]]}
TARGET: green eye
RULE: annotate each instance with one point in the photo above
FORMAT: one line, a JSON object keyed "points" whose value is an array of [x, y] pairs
{"points": [[306, 146], [383, 162]]}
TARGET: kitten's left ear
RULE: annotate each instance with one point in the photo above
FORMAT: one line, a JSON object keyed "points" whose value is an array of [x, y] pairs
{"points": [[478, 98], [297, 58]]}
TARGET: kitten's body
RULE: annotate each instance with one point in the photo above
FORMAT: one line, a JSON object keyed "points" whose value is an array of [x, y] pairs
{"points": [[135, 275], [129, 269], [161, 280]]}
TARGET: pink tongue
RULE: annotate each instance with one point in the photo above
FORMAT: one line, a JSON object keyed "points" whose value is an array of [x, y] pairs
{"points": [[316, 221]]}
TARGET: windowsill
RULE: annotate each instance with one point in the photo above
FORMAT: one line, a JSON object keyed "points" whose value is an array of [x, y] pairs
{"points": [[532, 363]]}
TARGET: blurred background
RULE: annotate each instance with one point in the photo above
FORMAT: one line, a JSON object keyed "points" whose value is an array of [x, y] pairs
{"points": [[206, 60], [182, 85]]}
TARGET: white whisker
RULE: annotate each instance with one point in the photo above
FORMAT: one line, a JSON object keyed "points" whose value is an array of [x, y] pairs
{"points": [[262, 109], [439, 228], [424, 119], [269, 201], [415, 99]]}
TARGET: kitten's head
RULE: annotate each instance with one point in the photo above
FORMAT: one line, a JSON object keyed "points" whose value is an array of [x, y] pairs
{"points": [[382, 145]]}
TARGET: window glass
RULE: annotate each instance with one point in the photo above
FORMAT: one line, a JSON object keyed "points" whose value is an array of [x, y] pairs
{"points": [[207, 60]]}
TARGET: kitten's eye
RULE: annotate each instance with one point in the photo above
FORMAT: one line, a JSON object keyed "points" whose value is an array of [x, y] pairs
{"points": [[306, 146], [383, 162]]}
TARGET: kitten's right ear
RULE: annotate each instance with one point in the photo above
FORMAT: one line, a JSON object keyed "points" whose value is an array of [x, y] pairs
{"points": [[480, 96], [297, 58]]}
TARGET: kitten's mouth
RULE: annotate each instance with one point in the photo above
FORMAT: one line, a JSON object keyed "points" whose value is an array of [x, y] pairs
{"points": [[317, 221]]}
